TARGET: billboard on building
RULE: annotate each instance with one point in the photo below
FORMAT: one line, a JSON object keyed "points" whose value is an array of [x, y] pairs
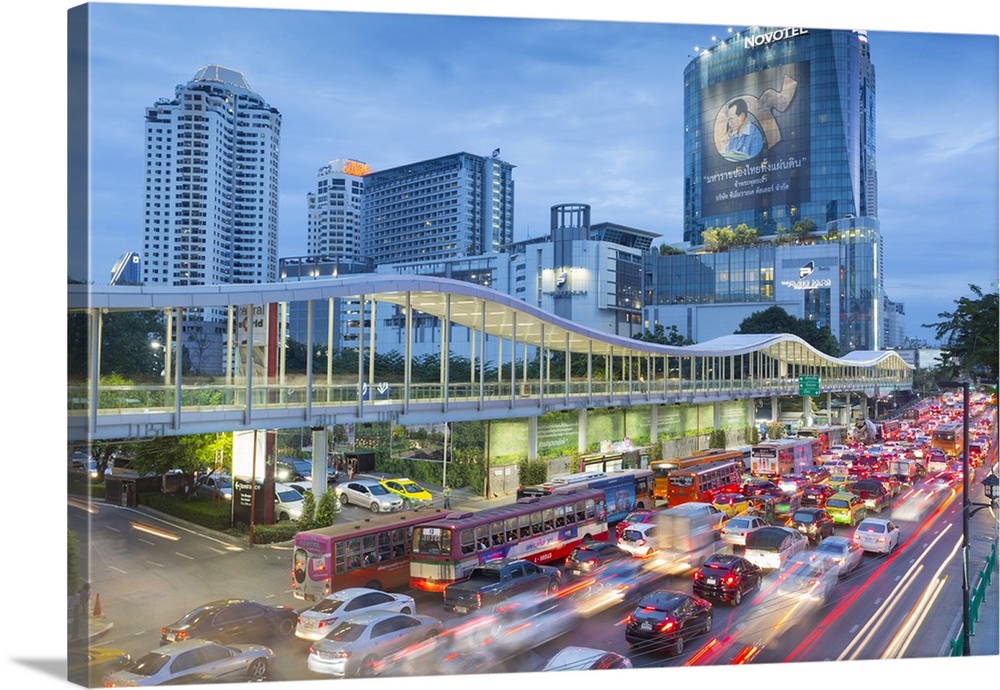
{"points": [[755, 152]]}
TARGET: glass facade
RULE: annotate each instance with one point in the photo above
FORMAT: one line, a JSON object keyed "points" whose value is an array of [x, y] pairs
{"points": [[779, 127]]}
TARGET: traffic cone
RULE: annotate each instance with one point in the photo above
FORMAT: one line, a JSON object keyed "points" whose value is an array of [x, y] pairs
{"points": [[97, 605]]}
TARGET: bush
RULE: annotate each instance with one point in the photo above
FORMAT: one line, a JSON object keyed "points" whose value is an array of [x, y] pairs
{"points": [[717, 439], [751, 435], [533, 471], [278, 532], [217, 516], [308, 518], [327, 509]]}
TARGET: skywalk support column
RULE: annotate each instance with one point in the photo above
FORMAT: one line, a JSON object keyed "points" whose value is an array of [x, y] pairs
{"points": [[532, 438], [654, 423], [319, 460], [581, 431], [807, 410], [716, 415]]}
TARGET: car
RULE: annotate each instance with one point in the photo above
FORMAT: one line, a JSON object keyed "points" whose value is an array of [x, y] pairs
{"points": [[639, 540], [231, 620], [731, 504], [842, 551], [316, 621], [726, 577], [892, 483], [287, 502], [735, 531], [807, 578], [699, 509], [846, 508], [668, 619], [793, 483], [875, 535], [301, 486], [873, 493], [769, 547], [499, 579], [412, 493], [292, 469], [194, 661], [368, 493], [356, 646], [815, 523], [215, 485], [635, 517], [587, 558], [586, 659], [88, 666], [815, 495], [762, 488], [816, 474]]}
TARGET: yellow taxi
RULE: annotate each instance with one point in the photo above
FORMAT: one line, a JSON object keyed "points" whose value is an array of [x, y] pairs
{"points": [[731, 504], [89, 665], [412, 493], [846, 508]]}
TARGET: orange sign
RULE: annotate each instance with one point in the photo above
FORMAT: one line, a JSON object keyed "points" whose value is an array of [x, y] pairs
{"points": [[356, 168]]}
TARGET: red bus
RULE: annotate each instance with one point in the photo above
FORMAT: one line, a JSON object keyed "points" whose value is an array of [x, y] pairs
{"points": [[918, 414], [703, 482], [539, 529], [374, 552], [663, 468]]}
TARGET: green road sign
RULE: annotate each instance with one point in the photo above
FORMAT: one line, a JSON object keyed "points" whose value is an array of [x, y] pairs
{"points": [[809, 385]]}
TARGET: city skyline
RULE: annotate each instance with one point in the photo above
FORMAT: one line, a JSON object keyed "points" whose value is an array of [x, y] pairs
{"points": [[586, 111]]}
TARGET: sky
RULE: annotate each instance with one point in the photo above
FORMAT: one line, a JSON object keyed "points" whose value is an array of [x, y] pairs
{"points": [[588, 110]]}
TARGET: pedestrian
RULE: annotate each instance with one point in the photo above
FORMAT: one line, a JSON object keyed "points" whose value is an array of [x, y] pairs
{"points": [[447, 497]]}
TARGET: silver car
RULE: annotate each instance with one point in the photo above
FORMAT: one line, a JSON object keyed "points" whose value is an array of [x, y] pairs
{"points": [[316, 621], [358, 644], [368, 493], [195, 661]]}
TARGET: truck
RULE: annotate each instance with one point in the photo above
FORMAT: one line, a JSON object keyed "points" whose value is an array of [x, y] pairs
{"points": [[686, 535], [498, 580], [775, 459], [909, 470]]}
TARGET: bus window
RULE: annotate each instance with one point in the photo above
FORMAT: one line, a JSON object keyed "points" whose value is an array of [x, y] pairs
{"points": [[570, 514], [483, 536], [536, 522], [524, 525], [560, 519], [353, 554], [340, 558], [581, 511], [510, 527], [384, 546], [468, 541], [591, 508], [368, 549], [496, 533], [431, 540]]}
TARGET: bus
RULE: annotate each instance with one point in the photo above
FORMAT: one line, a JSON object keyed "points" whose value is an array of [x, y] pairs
{"points": [[918, 414], [888, 430], [540, 529], [948, 437], [663, 468], [826, 435], [777, 458], [374, 552], [624, 490], [703, 482]]}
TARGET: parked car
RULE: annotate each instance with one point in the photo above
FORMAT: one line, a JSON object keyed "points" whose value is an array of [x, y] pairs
{"points": [[639, 540], [807, 578], [769, 547], [587, 558], [586, 659], [633, 518], [841, 551], [319, 619], [846, 508], [368, 493], [726, 577], [88, 666], [815, 495], [877, 536], [231, 620], [357, 645], [815, 523], [292, 469], [668, 619], [287, 502], [215, 486], [194, 661], [735, 531], [412, 493]]}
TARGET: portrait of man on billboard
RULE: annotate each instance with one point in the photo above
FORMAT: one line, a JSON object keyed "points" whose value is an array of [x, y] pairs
{"points": [[743, 138]]}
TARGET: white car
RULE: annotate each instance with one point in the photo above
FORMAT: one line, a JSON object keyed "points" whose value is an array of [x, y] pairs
{"points": [[360, 644], [876, 535], [808, 578], [316, 621], [287, 502], [735, 531], [195, 661], [368, 493], [770, 547], [639, 540], [586, 659], [841, 551]]}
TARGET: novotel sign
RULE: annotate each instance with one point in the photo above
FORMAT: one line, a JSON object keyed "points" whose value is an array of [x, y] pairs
{"points": [[768, 37]]}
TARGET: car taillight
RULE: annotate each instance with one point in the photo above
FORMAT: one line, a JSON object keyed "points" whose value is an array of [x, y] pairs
{"points": [[591, 561], [667, 625], [698, 575], [730, 580], [641, 542], [479, 599]]}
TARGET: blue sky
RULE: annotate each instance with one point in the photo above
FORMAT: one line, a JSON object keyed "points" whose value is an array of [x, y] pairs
{"points": [[588, 110]]}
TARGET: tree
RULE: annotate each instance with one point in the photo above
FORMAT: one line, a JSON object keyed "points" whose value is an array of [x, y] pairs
{"points": [[777, 320], [125, 344], [308, 518], [969, 336], [663, 336], [327, 509], [668, 250]]}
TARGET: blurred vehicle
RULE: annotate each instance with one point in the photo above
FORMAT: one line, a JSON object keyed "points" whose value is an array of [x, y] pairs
{"points": [[792, 483], [815, 523], [668, 619], [586, 659], [194, 661], [877, 536], [815, 495], [89, 665], [231, 620], [817, 474], [731, 504], [685, 536], [500, 579], [611, 585], [726, 577], [735, 531], [806, 577], [634, 518], [368, 493], [639, 540], [846, 508], [841, 551], [215, 486], [301, 486], [891, 482], [769, 547], [412, 493], [785, 506], [358, 644], [318, 620], [587, 558], [287, 502], [84, 462], [292, 469], [762, 488], [873, 493]]}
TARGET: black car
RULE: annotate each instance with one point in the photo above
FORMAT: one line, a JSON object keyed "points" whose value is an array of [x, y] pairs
{"points": [[232, 620], [815, 495], [668, 619], [815, 523], [726, 577], [587, 558]]}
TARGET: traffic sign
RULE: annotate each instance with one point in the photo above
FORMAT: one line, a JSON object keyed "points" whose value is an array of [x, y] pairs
{"points": [[809, 385]]}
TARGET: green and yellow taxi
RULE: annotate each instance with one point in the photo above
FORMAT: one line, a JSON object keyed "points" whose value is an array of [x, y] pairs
{"points": [[412, 493], [731, 504], [846, 508]]}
